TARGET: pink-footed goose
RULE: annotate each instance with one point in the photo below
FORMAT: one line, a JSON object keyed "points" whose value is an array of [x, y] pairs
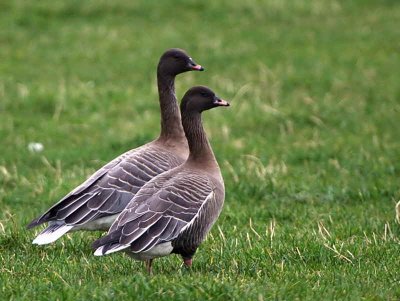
{"points": [[96, 203], [174, 211]]}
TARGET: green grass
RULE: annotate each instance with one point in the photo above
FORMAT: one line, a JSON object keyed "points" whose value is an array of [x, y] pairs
{"points": [[309, 149]]}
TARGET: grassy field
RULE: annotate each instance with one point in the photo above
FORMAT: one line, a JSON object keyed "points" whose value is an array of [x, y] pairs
{"points": [[309, 149]]}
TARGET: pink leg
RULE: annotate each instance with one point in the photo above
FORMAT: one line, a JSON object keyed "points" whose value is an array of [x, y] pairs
{"points": [[188, 262], [149, 267]]}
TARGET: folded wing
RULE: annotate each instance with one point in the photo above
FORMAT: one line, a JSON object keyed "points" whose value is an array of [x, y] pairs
{"points": [[158, 214], [110, 189]]}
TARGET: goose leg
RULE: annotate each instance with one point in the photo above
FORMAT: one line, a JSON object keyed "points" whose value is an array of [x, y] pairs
{"points": [[188, 262], [148, 266]]}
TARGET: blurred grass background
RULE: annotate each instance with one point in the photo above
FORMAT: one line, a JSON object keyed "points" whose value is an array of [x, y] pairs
{"points": [[309, 148]]}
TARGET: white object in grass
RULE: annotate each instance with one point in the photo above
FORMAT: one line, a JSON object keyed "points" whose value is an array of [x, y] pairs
{"points": [[35, 147]]}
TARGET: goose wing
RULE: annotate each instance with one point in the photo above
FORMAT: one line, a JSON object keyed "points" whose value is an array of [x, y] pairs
{"points": [[162, 210], [110, 189]]}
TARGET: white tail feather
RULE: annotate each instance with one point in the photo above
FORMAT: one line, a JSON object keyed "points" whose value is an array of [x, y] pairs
{"points": [[48, 235], [99, 251]]}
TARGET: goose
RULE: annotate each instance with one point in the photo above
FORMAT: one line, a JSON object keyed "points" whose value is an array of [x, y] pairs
{"points": [[174, 211], [96, 203]]}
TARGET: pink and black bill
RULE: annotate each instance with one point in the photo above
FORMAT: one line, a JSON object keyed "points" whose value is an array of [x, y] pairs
{"points": [[220, 102], [195, 66]]}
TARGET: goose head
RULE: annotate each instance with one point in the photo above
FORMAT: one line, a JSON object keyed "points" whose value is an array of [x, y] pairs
{"points": [[175, 61], [201, 98]]}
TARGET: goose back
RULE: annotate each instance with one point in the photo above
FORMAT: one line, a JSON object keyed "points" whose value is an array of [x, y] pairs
{"points": [[111, 188], [179, 206]]}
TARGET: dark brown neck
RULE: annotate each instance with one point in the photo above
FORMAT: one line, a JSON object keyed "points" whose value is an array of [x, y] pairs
{"points": [[171, 126], [199, 147]]}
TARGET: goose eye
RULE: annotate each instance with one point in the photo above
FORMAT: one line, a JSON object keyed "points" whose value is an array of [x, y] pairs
{"points": [[203, 94]]}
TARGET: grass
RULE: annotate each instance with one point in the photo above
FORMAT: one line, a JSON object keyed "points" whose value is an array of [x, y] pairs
{"points": [[309, 148]]}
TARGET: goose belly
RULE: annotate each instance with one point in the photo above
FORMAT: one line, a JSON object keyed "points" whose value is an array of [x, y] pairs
{"points": [[103, 223], [159, 250]]}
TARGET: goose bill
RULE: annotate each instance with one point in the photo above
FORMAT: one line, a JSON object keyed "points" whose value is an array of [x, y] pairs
{"points": [[221, 102]]}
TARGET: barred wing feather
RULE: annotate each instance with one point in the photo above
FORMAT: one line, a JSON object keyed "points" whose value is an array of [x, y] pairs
{"points": [[158, 215]]}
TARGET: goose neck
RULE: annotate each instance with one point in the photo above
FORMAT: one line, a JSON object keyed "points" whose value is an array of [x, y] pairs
{"points": [[171, 126], [199, 146]]}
